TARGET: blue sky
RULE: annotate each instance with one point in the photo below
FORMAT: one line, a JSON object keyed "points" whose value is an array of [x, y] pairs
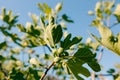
{"points": [[76, 9]]}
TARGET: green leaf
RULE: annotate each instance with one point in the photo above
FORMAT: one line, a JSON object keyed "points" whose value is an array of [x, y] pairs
{"points": [[16, 75], [8, 18], [3, 45], [58, 7], [98, 10], [48, 10], [109, 40], [76, 68], [66, 18], [32, 30], [34, 72], [48, 35], [76, 40], [3, 12], [41, 7], [21, 27], [42, 23], [94, 65], [96, 23], [33, 42], [57, 33], [111, 71], [98, 6], [86, 55], [105, 33], [45, 8], [51, 20], [95, 45], [117, 12], [36, 31], [67, 38], [91, 44], [35, 19], [13, 58], [63, 54], [13, 20], [117, 77], [108, 5], [2, 58], [67, 43]]}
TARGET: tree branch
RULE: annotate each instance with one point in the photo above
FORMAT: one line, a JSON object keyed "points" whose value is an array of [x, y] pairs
{"points": [[45, 73]]}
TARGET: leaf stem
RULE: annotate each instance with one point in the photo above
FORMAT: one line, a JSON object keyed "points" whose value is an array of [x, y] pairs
{"points": [[45, 73]]}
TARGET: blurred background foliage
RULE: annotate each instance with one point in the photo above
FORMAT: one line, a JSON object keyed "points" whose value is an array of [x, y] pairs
{"points": [[21, 57]]}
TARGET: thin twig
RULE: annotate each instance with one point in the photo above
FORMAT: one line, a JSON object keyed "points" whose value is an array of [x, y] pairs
{"points": [[104, 74], [48, 48], [100, 54], [108, 22], [93, 75], [45, 73], [113, 25]]}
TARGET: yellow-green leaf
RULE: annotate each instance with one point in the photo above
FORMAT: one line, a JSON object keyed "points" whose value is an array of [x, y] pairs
{"points": [[109, 40]]}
